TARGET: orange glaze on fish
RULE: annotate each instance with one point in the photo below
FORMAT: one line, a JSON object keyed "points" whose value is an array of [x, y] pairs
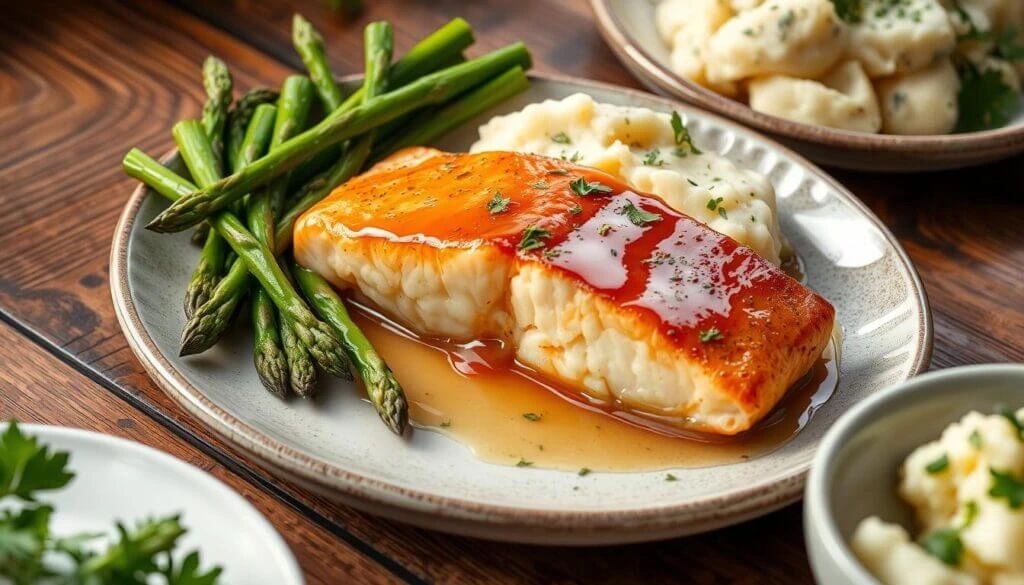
{"points": [[750, 328]]}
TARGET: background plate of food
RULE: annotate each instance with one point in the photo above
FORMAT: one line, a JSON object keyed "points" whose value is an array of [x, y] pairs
{"points": [[581, 362], [868, 85]]}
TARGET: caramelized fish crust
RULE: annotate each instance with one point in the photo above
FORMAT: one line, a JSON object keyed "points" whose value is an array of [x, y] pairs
{"points": [[612, 293]]}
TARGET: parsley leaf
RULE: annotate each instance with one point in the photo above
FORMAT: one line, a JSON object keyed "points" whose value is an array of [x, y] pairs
{"points": [[523, 463], [533, 237], [531, 416], [938, 466], [851, 11], [986, 101], [583, 188], [709, 335], [945, 545], [561, 138], [670, 477], [682, 133], [583, 471], [604, 229], [1005, 485], [189, 572], [638, 216], [498, 204], [27, 467], [653, 159]]}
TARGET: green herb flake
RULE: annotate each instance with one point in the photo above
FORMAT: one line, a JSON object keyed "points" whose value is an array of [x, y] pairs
{"points": [[653, 159], [533, 238], [1007, 413], [531, 416], [986, 101], [639, 217], [945, 545], [970, 513], [1008, 487], [446, 423], [561, 138], [576, 209], [709, 335], [498, 204], [584, 188], [975, 439], [604, 230], [583, 471], [670, 477], [713, 203], [938, 466], [523, 463], [682, 133]]}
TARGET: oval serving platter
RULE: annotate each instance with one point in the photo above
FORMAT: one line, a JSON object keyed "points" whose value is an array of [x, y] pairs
{"points": [[628, 27], [337, 445]]}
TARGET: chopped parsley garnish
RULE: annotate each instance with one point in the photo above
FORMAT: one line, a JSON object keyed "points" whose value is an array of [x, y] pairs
{"points": [[576, 156], [692, 182], [716, 203], [986, 100], [583, 471], [710, 335], [561, 138], [583, 188], [539, 185], [945, 545], [785, 23], [550, 254], [670, 477], [653, 159], [533, 238], [531, 416], [849, 10], [1007, 413], [682, 133], [639, 217], [446, 423], [498, 204], [523, 463], [576, 209], [1008, 487], [975, 439], [604, 230], [970, 513], [938, 466]]}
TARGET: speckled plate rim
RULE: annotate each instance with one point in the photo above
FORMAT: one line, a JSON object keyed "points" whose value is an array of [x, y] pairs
{"points": [[492, 521], [625, 47]]}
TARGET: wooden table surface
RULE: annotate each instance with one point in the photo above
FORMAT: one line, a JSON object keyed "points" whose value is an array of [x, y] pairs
{"points": [[82, 82]]}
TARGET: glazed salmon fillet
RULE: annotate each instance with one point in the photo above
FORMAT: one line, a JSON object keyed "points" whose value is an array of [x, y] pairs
{"points": [[609, 292]]}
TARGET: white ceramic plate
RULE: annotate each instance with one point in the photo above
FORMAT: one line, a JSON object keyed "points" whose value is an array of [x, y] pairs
{"points": [[338, 446], [119, 480], [628, 26]]}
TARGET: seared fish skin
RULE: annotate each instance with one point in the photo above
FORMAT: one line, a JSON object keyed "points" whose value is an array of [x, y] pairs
{"points": [[608, 291]]}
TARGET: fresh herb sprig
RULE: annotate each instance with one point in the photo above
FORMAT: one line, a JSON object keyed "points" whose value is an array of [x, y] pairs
{"points": [[28, 549]]}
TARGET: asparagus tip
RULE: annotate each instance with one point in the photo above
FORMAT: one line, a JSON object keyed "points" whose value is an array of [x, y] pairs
{"points": [[272, 369]]}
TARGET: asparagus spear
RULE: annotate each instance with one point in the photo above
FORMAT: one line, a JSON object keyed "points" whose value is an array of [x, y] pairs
{"points": [[337, 127], [268, 354], [239, 118], [301, 371], [218, 85], [260, 261], [310, 46], [292, 114], [381, 387]]}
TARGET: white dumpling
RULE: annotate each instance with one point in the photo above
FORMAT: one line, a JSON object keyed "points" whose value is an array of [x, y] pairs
{"points": [[687, 25], [887, 551], [922, 102], [996, 536], [900, 38], [800, 38], [843, 98]]}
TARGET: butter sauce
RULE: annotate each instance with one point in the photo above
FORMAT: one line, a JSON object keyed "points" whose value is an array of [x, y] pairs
{"points": [[507, 414]]}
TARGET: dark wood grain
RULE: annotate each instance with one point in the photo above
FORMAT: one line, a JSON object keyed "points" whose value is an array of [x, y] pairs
{"points": [[38, 388], [82, 82]]}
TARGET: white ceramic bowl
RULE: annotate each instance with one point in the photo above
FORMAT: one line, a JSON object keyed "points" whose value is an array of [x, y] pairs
{"points": [[854, 474], [628, 26]]}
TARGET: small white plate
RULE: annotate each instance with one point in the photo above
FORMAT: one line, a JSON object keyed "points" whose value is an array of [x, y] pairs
{"points": [[119, 480], [337, 444], [628, 26]]}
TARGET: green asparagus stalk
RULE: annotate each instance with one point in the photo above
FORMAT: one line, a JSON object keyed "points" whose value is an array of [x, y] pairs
{"points": [[301, 371], [384, 392], [268, 354], [292, 114], [433, 124], [239, 118], [198, 236], [218, 85], [337, 127], [310, 46], [260, 261]]}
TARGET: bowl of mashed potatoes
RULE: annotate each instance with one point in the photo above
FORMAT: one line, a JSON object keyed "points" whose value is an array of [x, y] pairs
{"points": [[923, 484], [883, 85]]}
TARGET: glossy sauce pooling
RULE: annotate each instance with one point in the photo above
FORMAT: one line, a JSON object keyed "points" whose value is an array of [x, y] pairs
{"points": [[668, 267]]}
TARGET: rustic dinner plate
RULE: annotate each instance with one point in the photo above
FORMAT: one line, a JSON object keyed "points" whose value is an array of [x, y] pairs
{"points": [[337, 444], [117, 480], [628, 26]]}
